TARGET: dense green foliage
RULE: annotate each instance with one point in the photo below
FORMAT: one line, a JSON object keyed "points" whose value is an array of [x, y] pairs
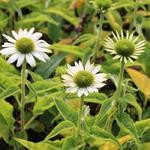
{"points": [[75, 30]]}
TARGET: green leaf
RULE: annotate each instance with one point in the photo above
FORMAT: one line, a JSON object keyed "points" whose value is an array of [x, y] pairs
{"points": [[36, 17], [36, 146], [142, 126], [9, 92], [70, 49], [42, 104], [101, 133], [64, 125], [63, 13], [24, 3], [70, 143], [6, 67], [6, 110], [126, 123], [101, 117], [45, 69], [115, 20], [98, 98], [130, 99], [35, 76], [3, 20], [42, 88], [3, 125], [67, 112], [6, 119], [145, 146], [85, 38]]}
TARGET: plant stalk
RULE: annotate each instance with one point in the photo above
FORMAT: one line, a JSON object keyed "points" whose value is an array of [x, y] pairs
{"points": [[114, 107], [23, 82], [119, 88], [98, 34], [80, 117]]}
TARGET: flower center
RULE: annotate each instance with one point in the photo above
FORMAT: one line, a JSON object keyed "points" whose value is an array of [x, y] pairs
{"points": [[24, 45], [84, 79], [125, 47]]}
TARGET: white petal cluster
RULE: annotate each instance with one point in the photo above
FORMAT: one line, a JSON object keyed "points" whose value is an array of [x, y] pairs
{"points": [[40, 48], [139, 45], [72, 87]]}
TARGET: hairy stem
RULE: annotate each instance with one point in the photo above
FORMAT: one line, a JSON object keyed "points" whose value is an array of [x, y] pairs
{"points": [[114, 107], [80, 116], [119, 88], [23, 80]]}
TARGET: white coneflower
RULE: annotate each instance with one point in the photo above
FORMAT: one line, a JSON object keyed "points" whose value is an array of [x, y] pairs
{"points": [[83, 79], [125, 47], [25, 45]]}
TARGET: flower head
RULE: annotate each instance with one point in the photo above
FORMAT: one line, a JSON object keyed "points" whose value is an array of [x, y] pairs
{"points": [[25, 45], [125, 47], [83, 79]]}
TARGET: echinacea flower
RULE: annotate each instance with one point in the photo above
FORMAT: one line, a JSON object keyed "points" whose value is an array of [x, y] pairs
{"points": [[83, 79], [124, 47], [25, 45]]}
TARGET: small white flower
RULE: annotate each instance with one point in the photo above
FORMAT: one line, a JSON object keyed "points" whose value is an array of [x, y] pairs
{"points": [[83, 79], [25, 45], [125, 47]]}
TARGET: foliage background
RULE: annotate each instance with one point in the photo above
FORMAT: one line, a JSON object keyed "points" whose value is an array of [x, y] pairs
{"points": [[70, 27]]}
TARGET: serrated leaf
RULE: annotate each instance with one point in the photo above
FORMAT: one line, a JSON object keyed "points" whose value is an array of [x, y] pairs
{"points": [[36, 146], [101, 133], [64, 125], [126, 123], [130, 99], [66, 111], [112, 146], [101, 117]]}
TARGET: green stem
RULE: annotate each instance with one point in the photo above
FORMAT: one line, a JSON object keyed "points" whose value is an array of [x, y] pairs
{"points": [[99, 34], [23, 80], [119, 88], [79, 126], [29, 122], [114, 107]]}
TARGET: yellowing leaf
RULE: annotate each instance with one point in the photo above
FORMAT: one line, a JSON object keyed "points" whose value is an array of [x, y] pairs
{"points": [[141, 81], [112, 146]]}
